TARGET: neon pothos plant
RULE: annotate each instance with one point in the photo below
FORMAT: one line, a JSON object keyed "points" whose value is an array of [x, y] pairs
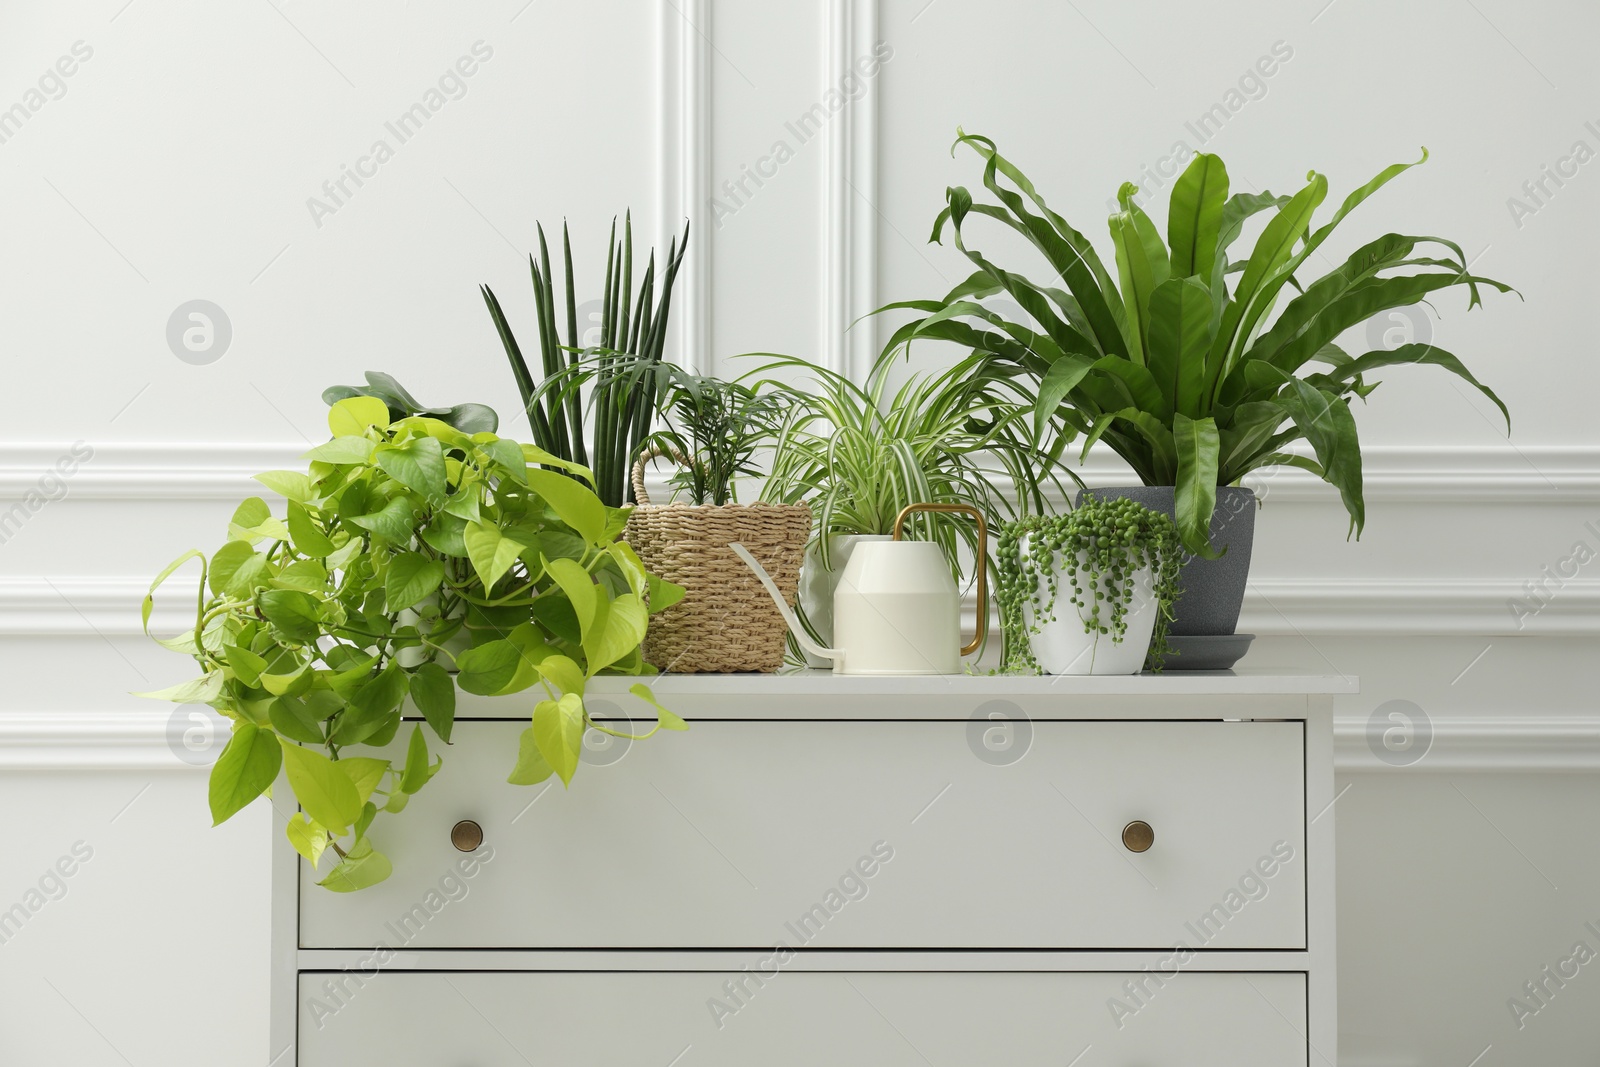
{"points": [[411, 558], [1177, 365]]}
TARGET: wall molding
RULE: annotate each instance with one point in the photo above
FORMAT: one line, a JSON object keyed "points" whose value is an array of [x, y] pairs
{"points": [[88, 741], [1503, 744], [1456, 474], [1377, 606], [684, 149], [159, 470], [109, 607], [94, 606], [849, 190], [1410, 474]]}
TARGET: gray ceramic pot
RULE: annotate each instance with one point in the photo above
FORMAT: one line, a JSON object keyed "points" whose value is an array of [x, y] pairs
{"points": [[1213, 589]]}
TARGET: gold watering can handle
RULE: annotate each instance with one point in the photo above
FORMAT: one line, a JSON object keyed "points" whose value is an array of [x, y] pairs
{"points": [[983, 558]]}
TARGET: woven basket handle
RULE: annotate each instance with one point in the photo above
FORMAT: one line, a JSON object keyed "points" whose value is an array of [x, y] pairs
{"points": [[653, 452]]}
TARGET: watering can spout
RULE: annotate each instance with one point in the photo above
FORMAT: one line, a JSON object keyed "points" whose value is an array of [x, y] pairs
{"points": [[801, 637]]}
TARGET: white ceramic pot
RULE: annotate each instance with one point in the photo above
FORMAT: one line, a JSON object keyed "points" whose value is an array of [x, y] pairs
{"points": [[819, 583], [1061, 645], [458, 643]]}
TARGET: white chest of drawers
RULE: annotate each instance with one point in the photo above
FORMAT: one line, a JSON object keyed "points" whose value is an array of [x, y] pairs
{"points": [[927, 871]]}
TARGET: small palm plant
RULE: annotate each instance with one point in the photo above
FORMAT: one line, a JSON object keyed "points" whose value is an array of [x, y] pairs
{"points": [[1178, 364], [713, 428]]}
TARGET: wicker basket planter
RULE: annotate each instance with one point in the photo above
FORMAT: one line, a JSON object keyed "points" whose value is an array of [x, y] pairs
{"points": [[725, 622]]}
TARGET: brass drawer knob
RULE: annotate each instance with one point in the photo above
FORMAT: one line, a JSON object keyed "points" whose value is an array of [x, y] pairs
{"points": [[1137, 836], [466, 835]]}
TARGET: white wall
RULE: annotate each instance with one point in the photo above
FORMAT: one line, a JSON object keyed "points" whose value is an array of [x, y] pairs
{"points": [[177, 165]]}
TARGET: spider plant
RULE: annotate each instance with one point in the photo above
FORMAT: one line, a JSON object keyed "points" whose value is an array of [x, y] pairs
{"points": [[713, 428], [633, 330], [1186, 375], [866, 450]]}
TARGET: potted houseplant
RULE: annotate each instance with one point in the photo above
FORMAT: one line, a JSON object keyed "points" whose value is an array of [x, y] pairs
{"points": [[628, 386], [621, 404], [862, 453], [469, 418], [724, 620], [1089, 591], [1179, 364], [411, 558]]}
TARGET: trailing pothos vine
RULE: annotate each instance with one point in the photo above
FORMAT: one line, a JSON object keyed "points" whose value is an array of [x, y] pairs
{"points": [[1099, 546], [412, 557]]}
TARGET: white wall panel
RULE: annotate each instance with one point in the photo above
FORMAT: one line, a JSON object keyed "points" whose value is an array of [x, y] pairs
{"points": [[1455, 891], [176, 164], [1441, 916], [179, 163], [1083, 96], [154, 948], [763, 207]]}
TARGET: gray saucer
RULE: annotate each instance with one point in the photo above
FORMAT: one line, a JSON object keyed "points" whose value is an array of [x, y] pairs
{"points": [[1206, 652]]}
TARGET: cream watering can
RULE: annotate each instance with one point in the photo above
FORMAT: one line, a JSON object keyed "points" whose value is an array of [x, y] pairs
{"points": [[897, 610]]}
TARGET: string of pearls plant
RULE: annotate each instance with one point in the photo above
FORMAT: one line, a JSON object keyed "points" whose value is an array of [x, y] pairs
{"points": [[1100, 546]]}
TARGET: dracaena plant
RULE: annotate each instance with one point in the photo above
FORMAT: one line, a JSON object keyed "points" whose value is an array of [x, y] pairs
{"points": [[1179, 364], [410, 558]]}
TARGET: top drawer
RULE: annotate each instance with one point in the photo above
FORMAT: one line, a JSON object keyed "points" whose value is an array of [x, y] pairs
{"points": [[851, 835]]}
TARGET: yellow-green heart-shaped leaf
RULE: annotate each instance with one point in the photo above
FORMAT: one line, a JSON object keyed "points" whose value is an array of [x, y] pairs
{"points": [[308, 840], [490, 551], [532, 768], [558, 732], [326, 793], [351, 416]]}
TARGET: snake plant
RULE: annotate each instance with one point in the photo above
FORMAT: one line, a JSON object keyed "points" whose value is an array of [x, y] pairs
{"points": [[633, 331], [1178, 363]]}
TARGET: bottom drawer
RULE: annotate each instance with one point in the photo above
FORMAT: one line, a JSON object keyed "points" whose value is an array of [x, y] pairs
{"points": [[802, 1019]]}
